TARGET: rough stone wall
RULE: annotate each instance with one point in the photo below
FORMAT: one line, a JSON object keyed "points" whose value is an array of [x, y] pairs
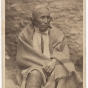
{"points": [[67, 16]]}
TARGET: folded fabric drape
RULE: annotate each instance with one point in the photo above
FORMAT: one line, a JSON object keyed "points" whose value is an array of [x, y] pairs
{"points": [[30, 59]]}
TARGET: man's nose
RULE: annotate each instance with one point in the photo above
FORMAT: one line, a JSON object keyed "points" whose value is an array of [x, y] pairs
{"points": [[45, 20]]}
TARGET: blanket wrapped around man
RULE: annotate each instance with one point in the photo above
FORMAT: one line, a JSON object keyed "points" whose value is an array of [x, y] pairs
{"points": [[29, 59]]}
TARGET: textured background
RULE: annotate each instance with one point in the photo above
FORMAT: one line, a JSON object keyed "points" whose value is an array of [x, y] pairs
{"points": [[67, 16]]}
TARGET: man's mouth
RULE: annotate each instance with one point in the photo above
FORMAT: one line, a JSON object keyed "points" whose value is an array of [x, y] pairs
{"points": [[45, 25]]}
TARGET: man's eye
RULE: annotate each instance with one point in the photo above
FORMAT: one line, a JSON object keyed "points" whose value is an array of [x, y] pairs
{"points": [[42, 17], [48, 17]]}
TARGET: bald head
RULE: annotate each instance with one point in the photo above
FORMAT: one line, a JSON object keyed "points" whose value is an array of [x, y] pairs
{"points": [[40, 10]]}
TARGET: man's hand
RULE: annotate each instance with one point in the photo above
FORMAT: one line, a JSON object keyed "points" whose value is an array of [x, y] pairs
{"points": [[49, 67]]}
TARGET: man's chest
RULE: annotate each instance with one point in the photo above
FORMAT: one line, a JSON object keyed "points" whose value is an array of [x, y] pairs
{"points": [[41, 43]]}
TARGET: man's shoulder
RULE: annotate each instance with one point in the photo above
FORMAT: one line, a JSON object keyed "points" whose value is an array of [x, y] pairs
{"points": [[56, 31], [26, 30]]}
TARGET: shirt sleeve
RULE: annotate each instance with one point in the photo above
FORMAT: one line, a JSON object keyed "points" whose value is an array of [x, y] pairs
{"points": [[61, 54], [61, 50]]}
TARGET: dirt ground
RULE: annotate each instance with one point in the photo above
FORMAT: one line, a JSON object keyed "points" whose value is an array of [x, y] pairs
{"points": [[67, 16]]}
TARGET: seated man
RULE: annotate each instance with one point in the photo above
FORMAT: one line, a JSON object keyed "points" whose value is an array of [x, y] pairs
{"points": [[43, 54]]}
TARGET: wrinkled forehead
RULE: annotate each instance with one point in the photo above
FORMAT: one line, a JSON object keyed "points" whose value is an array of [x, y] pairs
{"points": [[41, 11]]}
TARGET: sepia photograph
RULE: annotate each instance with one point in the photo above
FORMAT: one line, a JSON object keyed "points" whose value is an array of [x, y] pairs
{"points": [[44, 44]]}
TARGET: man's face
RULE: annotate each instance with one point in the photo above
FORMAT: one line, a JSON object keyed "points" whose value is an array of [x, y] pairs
{"points": [[43, 20]]}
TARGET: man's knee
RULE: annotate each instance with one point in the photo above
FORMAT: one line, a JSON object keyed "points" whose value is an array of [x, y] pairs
{"points": [[34, 79], [35, 73]]}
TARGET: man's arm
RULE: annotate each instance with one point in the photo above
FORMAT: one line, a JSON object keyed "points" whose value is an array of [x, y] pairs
{"points": [[27, 56], [61, 50], [61, 54]]}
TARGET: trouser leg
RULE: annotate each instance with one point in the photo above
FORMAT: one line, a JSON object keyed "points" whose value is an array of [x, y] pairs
{"points": [[34, 80]]}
